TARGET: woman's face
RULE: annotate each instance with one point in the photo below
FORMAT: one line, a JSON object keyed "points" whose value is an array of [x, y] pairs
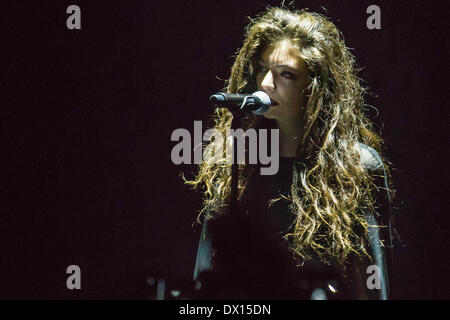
{"points": [[283, 75]]}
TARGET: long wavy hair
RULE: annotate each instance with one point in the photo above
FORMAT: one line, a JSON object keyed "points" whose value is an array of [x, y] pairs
{"points": [[331, 190]]}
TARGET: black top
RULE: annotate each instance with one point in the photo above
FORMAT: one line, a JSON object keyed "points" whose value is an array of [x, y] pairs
{"points": [[264, 188], [250, 251]]}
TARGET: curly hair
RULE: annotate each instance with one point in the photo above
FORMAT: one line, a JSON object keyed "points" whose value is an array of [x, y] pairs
{"points": [[331, 190]]}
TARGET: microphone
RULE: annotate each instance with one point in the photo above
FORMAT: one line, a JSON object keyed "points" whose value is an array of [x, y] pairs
{"points": [[257, 102]]}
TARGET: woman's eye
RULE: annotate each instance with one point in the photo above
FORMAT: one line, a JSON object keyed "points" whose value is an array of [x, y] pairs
{"points": [[287, 75], [261, 69]]}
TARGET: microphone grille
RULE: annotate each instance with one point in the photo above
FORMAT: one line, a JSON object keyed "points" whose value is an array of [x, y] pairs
{"points": [[263, 102], [263, 97]]}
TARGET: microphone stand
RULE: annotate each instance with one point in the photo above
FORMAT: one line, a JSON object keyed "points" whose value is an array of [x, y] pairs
{"points": [[235, 123], [260, 99]]}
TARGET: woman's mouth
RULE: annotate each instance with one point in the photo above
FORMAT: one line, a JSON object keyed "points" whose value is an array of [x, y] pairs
{"points": [[273, 102]]}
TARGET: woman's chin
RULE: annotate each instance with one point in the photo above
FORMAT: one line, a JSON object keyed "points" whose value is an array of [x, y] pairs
{"points": [[270, 114]]}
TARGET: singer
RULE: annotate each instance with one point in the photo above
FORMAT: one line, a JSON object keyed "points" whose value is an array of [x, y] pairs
{"points": [[311, 230]]}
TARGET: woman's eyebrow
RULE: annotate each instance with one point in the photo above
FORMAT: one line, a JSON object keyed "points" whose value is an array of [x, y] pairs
{"points": [[261, 61]]}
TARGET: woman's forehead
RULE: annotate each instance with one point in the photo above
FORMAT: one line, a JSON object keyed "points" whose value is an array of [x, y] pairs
{"points": [[282, 53]]}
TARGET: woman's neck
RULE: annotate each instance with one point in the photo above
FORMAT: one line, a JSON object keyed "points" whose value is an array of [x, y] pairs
{"points": [[291, 132]]}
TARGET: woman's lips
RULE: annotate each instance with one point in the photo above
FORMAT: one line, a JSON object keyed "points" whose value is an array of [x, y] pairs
{"points": [[273, 102]]}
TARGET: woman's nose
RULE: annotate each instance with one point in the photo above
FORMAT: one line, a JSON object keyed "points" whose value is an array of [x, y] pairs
{"points": [[267, 83]]}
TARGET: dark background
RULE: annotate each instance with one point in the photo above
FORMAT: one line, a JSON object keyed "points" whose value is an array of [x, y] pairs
{"points": [[87, 115]]}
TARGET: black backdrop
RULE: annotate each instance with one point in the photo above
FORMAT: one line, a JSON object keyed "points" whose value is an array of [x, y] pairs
{"points": [[87, 116]]}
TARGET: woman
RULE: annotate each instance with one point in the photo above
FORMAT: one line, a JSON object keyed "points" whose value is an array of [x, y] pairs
{"points": [[311, 226]]}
